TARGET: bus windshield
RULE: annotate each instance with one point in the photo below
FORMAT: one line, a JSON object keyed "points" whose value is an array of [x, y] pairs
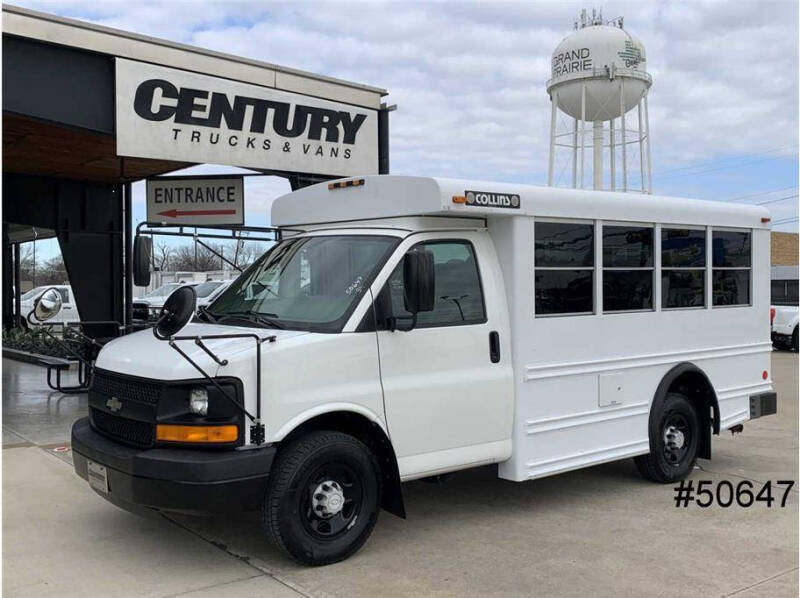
{"points": [[307, 283], [204, 289]]}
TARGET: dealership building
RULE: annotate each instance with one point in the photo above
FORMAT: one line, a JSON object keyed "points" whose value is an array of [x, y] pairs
{"points": [[88, 110]]}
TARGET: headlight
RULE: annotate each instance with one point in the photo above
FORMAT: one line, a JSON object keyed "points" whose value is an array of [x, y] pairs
{"points": [[198, 401]]}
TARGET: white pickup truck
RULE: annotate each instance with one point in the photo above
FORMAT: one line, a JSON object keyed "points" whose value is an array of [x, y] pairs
{"points": [[406, 327], [784, 311]]}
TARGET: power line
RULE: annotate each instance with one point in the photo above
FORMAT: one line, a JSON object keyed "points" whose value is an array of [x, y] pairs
{"points": [[763, 203], [737, 198], [698, 172], [785, 221], [709, 163]]}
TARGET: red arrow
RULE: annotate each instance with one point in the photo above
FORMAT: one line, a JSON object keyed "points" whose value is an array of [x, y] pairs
{"points": [[175, 213]]}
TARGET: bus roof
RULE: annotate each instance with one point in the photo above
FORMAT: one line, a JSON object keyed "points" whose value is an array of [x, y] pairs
{"points": [[389, 196]]}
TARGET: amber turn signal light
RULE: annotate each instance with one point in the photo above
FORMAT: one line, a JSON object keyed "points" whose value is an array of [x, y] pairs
{"points": [[199, 434]]}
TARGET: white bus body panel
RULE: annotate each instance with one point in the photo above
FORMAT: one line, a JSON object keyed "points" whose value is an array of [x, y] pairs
{"points": [[561, 363], [583, 385]]}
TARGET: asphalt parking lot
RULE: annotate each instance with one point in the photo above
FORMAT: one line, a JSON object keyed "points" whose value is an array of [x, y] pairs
{"points": [[597, 532]]}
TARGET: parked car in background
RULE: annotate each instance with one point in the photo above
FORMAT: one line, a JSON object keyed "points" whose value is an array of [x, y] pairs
{"points": [[147, 307], [69, 310], [784, 313], [208, 291]]}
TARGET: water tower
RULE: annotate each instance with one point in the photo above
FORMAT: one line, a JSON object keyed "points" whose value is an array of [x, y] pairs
{"points": [[598, 76]]}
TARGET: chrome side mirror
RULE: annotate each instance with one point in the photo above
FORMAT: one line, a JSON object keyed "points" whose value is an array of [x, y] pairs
{"points": [[48, 305]]}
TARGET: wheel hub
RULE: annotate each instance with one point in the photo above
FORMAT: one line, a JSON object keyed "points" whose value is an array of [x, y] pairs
{"points": [[327, 499], [674, 438]]}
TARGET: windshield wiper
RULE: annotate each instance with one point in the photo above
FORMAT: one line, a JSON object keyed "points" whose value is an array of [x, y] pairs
{"points": [[267, 319], [207, 314]]}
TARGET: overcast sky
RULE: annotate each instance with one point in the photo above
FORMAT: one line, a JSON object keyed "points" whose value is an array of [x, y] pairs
{"points": [[469, 82]]}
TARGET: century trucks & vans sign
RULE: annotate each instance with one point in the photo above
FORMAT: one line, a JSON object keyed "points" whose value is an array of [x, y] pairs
{"points": [[170, 114]]}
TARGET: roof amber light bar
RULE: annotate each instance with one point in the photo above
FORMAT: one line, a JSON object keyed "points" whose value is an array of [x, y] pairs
{"points": [[459, 199], [198, 434], [343, 184]]}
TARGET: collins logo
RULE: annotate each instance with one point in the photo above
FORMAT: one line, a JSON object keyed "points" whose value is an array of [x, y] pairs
{"points": [[114, 404], [487, 199]]}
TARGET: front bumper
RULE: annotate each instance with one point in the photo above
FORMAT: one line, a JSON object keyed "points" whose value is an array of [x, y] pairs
{"points": [[179, 480]]}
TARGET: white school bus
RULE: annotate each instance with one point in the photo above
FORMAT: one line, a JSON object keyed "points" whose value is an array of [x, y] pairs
{"points": [[406, 327]]}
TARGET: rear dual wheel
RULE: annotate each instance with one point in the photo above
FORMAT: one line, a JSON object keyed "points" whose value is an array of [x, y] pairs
{"points": [[323, 497], [674, 442]]}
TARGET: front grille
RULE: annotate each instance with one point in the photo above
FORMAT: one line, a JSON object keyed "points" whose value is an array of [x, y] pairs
{"points": [[111, 385], [128, 430]]}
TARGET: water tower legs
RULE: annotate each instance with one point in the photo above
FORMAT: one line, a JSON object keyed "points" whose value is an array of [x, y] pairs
{"points": [[583, 129], [624, 137], [647, 124], [571, 141], [597, 154], [554, 102], [575, 155], [641, 149], [612, 154]]}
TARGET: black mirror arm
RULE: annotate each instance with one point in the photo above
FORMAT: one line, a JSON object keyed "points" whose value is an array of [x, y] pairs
{"points": [[45, 328], [404, 328]]}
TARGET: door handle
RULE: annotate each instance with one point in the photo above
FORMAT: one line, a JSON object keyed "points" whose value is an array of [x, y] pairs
{"points": [[494, 346]]}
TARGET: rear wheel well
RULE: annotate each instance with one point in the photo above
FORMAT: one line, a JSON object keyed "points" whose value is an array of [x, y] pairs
{"points": [[373, 436], [690, 381]]}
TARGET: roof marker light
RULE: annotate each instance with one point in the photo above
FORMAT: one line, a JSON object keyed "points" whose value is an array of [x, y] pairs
{"points": [[765, 219], [343, 184], [459, 199]]}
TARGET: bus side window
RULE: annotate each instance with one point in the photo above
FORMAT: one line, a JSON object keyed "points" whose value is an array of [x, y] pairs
{"points": [[683, 268], [564, 268], [731, 267]]}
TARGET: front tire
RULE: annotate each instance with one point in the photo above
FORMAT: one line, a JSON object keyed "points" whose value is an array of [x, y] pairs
{"points": [[674, 441], [323, 498], [794, 339]]}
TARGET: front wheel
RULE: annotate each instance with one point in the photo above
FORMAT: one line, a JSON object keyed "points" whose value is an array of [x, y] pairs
{"points": [[323, 497], [794, 339], [673, 451]]}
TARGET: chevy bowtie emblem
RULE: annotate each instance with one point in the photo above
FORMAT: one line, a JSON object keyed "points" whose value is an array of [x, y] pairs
{"points": [[114, 404]]}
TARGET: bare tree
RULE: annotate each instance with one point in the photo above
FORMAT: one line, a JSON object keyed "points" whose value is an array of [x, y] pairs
{"points": [[26, 264], [163, 256], [195, 259], [248, 253], [52, 271]]}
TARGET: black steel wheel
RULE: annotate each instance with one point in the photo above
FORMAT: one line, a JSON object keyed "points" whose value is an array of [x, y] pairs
{"points": [[333, 500], [677, 436], [323, 497], [674, 441]]}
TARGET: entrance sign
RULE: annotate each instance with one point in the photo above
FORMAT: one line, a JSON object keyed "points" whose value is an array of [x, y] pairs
{"points": [[170, 114], [196, 200]]}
